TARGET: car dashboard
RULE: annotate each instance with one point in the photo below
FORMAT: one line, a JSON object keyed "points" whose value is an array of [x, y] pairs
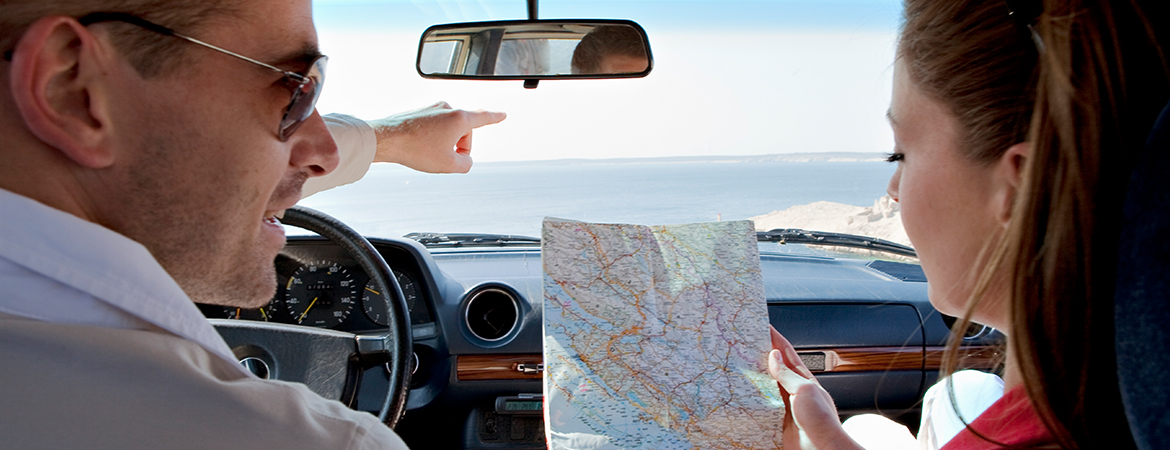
{"points": [[863, 326]]}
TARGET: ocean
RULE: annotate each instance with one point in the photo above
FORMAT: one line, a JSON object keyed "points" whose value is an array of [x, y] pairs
{"points": [[514, 197]]}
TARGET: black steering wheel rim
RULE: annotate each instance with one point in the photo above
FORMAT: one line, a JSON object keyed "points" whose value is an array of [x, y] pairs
{"points": [[370, 260]]}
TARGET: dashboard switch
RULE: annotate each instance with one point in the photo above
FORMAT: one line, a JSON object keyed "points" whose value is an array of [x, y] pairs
{"points": [[530, 368]]}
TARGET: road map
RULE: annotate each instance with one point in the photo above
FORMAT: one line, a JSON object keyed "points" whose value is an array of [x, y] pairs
{"points": [[656, 337]]}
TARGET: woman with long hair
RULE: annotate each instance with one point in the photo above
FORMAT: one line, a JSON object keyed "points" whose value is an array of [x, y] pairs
{"points": [[1017, 125]]}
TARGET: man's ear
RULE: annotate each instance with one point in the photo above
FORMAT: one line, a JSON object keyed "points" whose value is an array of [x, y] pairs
{"points": [[1009, 174], [55, 77]]}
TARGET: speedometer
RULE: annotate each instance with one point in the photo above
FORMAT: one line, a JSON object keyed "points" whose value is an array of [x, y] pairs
{"points": [[321, 294]]}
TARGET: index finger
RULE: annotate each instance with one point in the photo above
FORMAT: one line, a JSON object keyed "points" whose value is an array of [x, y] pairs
{"points": [[480, 118]]}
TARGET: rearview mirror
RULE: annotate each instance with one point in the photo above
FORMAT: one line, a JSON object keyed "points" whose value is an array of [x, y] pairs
{"points": [[535, 50]]}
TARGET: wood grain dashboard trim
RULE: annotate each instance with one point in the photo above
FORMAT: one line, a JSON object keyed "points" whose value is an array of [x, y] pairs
{"points": [[832, 360], [863, 359], [496, 367]]}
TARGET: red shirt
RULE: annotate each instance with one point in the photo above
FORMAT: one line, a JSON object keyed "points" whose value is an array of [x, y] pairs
{"points": [[1011, 420]]}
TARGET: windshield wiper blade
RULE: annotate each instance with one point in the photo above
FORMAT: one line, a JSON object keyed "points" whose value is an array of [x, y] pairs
{"points": [[471, 240], [798, 236], [783, 236]]}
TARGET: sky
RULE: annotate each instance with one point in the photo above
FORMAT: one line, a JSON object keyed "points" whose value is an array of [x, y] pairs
{"points": [[729, 77]]}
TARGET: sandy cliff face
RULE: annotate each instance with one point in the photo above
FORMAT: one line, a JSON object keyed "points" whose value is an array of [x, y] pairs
{"points": [[883, 220]]}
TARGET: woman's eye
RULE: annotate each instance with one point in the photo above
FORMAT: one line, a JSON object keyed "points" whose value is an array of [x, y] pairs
{"points": [[895, 157]]}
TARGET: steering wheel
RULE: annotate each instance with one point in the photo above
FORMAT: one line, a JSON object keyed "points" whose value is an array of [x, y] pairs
{"points": [[330, 362]]}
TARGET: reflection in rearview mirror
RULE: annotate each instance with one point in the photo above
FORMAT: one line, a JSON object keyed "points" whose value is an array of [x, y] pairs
{"points": [[610, 49], [535, 50]]}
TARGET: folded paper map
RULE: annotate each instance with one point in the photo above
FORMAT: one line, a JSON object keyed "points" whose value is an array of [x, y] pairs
{"points": [[656, 338]]}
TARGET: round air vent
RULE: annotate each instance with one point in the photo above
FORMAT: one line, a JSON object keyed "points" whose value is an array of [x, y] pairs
{"points": [[492, 314]]}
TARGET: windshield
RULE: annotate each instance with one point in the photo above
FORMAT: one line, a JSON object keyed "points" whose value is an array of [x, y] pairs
{"points": [[771, 111]]}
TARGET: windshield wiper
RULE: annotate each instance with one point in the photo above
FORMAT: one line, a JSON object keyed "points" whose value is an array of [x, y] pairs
{"points": [[432, 240], [798, 236], [782, 236]]}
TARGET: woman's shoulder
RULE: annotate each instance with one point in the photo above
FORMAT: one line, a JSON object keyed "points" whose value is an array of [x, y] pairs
{"points": [[955, 401], [1011, 420]]}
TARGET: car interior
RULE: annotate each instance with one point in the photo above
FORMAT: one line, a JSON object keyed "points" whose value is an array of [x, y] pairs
{"points": [[440, 334]]}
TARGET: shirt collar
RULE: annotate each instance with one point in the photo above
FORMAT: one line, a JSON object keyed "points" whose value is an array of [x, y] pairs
{"points": [[124, 283]]}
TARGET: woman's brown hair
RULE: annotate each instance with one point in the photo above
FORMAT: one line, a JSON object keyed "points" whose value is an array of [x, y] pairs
{"points": [[1084, 90]]}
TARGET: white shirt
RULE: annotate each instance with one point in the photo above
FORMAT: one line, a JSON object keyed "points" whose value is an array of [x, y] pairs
{"points": [[356, 143], [974, 391], [101, 278]]}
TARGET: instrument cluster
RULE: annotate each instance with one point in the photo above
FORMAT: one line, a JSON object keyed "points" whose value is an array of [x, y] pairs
{"points": [[319, 285]]}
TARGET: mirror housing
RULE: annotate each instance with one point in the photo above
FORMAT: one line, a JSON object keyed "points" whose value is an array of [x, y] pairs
{"points": [[535, 50]]}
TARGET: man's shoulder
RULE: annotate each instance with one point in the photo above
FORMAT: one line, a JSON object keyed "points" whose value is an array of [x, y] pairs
{"points": [[134, 388]]}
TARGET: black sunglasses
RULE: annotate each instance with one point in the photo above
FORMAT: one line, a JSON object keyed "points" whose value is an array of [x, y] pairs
{"points": [[305, 89]]}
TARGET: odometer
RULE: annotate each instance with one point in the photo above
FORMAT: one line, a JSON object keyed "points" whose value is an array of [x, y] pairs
{"points": [[321, 294]]}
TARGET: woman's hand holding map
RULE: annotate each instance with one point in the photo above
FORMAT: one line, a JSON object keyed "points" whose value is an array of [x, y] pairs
{"points": [[811, 421]]}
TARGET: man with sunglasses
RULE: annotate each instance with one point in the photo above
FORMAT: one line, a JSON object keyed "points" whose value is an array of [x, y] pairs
{"points": [[142, 168]]}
